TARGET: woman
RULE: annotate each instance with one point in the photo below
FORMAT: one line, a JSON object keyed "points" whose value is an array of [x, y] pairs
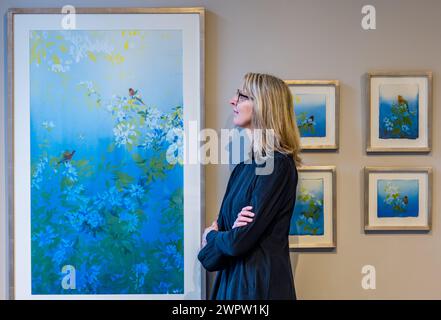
{"points": [[248, 244]]}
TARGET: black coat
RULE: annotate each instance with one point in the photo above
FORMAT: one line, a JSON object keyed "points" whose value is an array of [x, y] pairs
{"points": [[253, 261]]}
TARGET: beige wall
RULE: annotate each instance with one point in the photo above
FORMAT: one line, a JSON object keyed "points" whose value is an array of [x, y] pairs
{"points": [[317, 39]]}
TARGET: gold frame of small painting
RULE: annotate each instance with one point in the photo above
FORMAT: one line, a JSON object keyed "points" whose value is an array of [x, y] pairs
{"points": [[400, 112], [318, 196], [397, 199], [318, 115]]}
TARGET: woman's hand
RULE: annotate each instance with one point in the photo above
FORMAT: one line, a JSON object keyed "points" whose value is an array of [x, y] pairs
{"points": [[207, 231], [244, 217]]}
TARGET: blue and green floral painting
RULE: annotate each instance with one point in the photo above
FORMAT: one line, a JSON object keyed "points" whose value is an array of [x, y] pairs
{"points": [[398, 111], [307, 218], [310, 110], [106, 161], [397, 198]]}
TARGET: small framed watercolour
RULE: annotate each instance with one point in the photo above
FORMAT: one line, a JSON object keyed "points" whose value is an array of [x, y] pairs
{"points": [[400, 112], [398, 198], [313, 223], [316, 105]]}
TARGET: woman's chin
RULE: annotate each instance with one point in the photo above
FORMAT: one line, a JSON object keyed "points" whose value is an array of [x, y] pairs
{"points": [[236, 122], [240, 123]]}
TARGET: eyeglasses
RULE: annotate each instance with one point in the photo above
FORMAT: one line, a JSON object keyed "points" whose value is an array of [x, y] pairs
{"points": [[242, 97]]}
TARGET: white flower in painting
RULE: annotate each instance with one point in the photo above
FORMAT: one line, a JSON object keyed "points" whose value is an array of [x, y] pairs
{"points": [[139, 272], [121, 116], [40, 166], [59, 68], [393, 197], [87, 84], [153, 118], [136, 191], [48, 125], [36, 182], [37, 175], [70, 172], [99, 46], [81, 45], [124, 133], [115, 107], [152, 138], [113, 197], [405, 128], [109, 107], [175, 154], [391, 189], [74, 193], [100, 201], [175, 150], [91, 90], [175, 135], [129, 204]]}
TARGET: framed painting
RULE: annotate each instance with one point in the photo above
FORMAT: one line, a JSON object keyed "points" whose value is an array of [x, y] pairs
{"points": [[316, 107], [313, 223], [398, 199], [400, 112], [103, 202]]}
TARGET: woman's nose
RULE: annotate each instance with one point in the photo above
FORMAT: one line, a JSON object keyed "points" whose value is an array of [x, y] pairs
{"points": [[233, 101]]}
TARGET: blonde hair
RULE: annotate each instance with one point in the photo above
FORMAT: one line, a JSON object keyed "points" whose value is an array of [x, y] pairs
{"points": [[273, 109]]}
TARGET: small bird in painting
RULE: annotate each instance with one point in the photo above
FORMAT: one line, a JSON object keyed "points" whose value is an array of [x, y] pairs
{"points": [[403, 101], [406, 200], [134, 95], [67, 156]]}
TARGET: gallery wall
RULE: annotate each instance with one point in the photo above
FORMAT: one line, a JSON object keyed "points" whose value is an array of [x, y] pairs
{"points": [[312, 39]]}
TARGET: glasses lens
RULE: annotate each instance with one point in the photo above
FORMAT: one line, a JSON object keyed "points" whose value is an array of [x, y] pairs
{"points": [[241, 97]]}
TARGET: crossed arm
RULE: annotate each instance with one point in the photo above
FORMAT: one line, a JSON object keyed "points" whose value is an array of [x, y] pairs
{"points": [[267, 200]]}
